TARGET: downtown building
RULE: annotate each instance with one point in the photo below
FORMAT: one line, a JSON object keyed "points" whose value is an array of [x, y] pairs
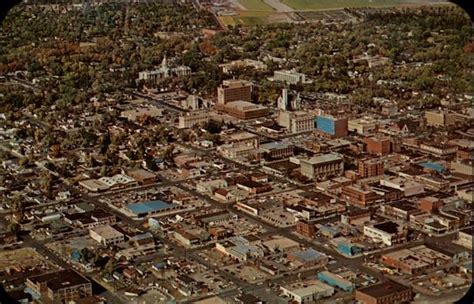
{"points": [[331, 127], [322, 166], [234, 90]]}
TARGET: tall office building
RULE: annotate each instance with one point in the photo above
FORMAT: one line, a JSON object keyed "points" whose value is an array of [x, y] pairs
{"points": [[331, 126], [283, 100], [234, 90]]}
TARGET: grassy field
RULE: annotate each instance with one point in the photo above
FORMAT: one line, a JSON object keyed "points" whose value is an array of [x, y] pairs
{"points": [[256, 5], [327, 4], [247, 18], [258, 12]]}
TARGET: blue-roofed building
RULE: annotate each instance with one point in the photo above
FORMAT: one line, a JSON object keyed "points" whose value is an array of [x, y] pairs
{"points": [[76, 255], [434, 166], [240, 249], [331, 126], [151, 207], [154, 224], [308, 258], [336, 281], [348, 249]]}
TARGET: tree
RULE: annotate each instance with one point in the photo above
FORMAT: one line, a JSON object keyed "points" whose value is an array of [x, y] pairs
{"points": [[168, 154], [14, 227], [110, 266]]}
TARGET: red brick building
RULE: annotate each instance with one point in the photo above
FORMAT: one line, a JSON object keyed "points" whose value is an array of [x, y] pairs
{"points": [[388, 292], [359, 196], [465, 153], [371, 167], [305, 228], [233, 90], [430, 204], [378, 145]]}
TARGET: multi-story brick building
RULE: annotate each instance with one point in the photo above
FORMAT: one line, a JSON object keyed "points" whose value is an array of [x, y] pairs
{"points": [[61, 286], [233, 90], [430, 204], [378, 145], [388, 292], [371, 167], [243, 109], [359, 195], [400, 210], [305, 228], [333, 127]]}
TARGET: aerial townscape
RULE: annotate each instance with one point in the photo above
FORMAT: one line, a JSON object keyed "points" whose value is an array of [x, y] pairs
{"points": [[236, 151]]}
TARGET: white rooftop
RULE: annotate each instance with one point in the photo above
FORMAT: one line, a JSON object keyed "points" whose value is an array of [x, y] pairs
{"points": [[323, 158]]}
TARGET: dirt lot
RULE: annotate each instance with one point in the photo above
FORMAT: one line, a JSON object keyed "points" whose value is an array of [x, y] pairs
{"points": [[22, 258]]}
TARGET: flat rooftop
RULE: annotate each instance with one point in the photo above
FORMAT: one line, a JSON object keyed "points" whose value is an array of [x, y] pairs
{"points": [[60, 279], [389, 227], [274, 145], [244, 105], [107, 232], [150, 206], [383, 289], [242, 136], [323, 159]]}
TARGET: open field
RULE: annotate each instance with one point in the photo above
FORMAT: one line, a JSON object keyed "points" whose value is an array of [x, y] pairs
{"points": [[252, 12], [247, 18], [328, 4], [310, 10], [256, 5]]}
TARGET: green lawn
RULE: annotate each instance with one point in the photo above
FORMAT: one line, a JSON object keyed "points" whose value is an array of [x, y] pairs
{"points": [[327, 4], [256, 5], [247, 18]]}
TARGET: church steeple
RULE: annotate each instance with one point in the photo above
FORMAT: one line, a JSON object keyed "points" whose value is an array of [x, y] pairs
{"points": [[164, 63]]}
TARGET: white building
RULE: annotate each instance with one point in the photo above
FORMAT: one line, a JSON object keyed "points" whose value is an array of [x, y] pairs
{"points": [[388, 233], [462, 167], [164, 72], [362, 126], [209, 186], [464, 238], [282, 102], [408, 187], [240, 249], [240, 145], [106, 235], [297, 121], [228, 67], [307, 292], [289, 76], [322, 166], [466, 194], [189, 121]]}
